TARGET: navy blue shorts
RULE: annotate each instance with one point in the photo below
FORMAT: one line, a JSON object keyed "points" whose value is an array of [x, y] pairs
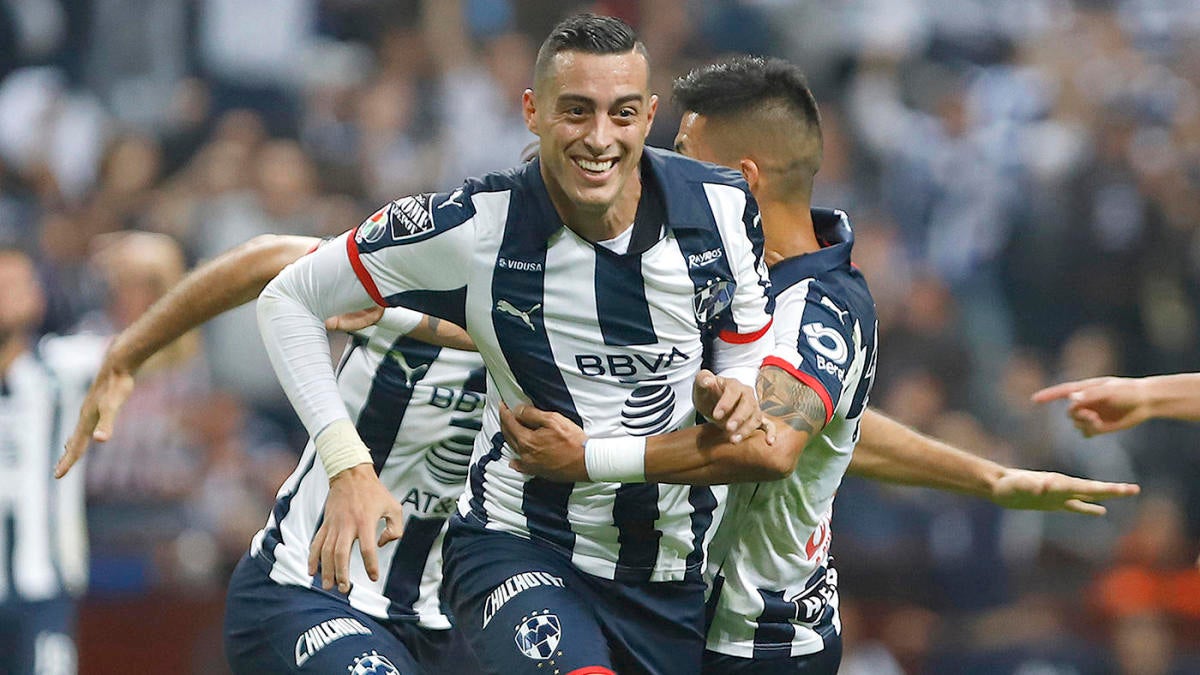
{"points": [[525, 608], [38, 637], [279, 628]]}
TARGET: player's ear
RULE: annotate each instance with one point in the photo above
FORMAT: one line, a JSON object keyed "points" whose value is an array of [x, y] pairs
{"points": [[529, 109], [749, 169], [650, 111]]}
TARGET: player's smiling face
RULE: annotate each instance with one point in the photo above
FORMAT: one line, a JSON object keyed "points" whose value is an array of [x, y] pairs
{"points": [[592, 113]]}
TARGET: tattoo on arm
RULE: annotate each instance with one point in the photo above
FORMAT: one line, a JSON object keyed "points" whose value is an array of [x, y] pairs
{"points": [[433, 323], [783, 396]]}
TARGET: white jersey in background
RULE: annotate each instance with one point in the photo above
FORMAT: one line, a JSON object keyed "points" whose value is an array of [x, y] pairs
{"points": [[43, 529], [771, 577], [418, 408]]}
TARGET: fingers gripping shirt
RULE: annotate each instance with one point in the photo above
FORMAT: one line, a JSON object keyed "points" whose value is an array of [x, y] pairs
{"points": [[610, 341]]}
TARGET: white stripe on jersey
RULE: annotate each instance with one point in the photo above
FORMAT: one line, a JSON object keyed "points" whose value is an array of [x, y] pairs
{"points": [[43, 517], [429, 451]]}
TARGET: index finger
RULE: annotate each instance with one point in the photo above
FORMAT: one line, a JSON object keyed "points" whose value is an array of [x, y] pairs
{"points": [[78, 442], [1063, 390]]}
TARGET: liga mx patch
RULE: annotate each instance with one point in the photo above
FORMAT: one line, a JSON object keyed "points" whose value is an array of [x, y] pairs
{"points": [[710, 301], [538, 635], [402, 219]]}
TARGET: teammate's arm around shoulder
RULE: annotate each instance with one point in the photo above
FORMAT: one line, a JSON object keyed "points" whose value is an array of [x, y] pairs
{"points": [[223, 283]]}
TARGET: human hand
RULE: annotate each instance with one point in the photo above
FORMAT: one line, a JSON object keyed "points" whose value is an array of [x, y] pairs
{"points": [[1050, 491], [547, 444], [1101, 404], [356, 503], [97, 415], [733, 406], [352, 321]]}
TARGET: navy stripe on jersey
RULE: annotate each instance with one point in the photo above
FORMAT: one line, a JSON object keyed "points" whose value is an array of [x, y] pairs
{"points": [[478, 477], [521, 333], [449, 460], [621, 305], [403, 586], [449, 305], [775, 632], [272, 536], [8, 527], [635, 508], [703, 503], [391, 391], [56, 441]]}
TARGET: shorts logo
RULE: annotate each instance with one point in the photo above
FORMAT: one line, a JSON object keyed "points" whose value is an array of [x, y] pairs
{"points": [[319, 636], [648, 410], [538, 635], [372, 664], [514, 586], [713, 299]]}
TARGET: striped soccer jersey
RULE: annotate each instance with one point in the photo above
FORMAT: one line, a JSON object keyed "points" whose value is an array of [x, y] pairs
{"points": [[417, 407], [43, 531], [611, 341], [775, 582]]}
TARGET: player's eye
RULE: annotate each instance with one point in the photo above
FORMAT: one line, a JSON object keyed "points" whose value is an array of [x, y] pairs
{"points": [[576, 111]]}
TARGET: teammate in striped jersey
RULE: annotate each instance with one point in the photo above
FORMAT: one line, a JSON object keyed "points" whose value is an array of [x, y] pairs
{"points": [[43, 538], [774, 596], [594, 280], [417, 406]]}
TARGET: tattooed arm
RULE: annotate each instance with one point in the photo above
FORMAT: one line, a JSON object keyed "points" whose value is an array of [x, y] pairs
{"points": [[702, 456]]}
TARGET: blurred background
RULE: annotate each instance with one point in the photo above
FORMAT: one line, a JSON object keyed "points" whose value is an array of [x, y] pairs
{"points": [[1024, 176]]}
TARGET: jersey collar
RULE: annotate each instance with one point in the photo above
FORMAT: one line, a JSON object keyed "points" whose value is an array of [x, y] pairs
{"points": [[832, 227]]}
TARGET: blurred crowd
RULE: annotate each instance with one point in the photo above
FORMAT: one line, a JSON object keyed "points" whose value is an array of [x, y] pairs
{"points": [[1024, 177]]}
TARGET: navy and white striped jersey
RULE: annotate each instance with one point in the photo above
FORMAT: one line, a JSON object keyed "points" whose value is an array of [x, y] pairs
{"points": [[775, 581], [43, 531], [611, 341], [418, 408]]}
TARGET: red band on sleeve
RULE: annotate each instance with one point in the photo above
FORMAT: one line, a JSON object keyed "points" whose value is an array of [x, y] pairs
{"points": [[592, 670], [744, 338], [810, 381], [360, 271]]}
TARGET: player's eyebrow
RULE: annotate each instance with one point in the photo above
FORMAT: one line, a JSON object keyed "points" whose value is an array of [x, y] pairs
{"points": [[587, 100]]}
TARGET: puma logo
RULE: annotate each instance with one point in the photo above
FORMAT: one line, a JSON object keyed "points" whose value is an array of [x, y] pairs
{"points": [[411, 375], [839, 311], [510, 309], [452, 199]]}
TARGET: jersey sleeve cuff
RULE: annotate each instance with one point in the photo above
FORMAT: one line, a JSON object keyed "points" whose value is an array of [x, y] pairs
{"points": [[735, 338], [808, 380], [360, 270]]}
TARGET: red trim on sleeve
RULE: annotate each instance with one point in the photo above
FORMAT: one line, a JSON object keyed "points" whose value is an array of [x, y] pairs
{"points": [[313, 249], [592, 670], [360, 271], [812, 382], [744, 338]]}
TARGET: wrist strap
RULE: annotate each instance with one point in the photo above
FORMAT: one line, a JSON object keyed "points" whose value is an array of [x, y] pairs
{"points": [[617, 460], [339, 447]]}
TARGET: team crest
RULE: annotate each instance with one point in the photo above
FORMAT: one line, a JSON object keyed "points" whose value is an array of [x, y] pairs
{"points": [[372, 664], [402, 219], [538, 635], [710, 301]]}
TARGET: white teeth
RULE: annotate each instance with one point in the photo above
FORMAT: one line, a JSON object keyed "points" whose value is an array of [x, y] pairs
{"points": [[588, 165]]}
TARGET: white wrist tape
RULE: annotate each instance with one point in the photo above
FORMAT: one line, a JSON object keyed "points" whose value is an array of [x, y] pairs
{"points": [[618, 460], [339, 447]]}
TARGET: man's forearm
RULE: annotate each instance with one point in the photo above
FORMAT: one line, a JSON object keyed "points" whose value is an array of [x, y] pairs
{"points": [[227, 281], [1174, 396], [701, 455], [892, 452]]}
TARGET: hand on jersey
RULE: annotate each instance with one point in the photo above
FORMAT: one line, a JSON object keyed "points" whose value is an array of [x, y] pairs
{"points": [[98, 415], [1101, 404], [356, 503], [546, 444], [730, 405], [1049, 491]]}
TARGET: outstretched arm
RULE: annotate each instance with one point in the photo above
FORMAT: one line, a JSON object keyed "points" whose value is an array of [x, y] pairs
{"points": [[891, 452], [219, 285], [1104, 404]]}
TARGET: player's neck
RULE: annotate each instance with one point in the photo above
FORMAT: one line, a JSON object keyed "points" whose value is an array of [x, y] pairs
{"points": [[12, 345], [787, 229]]}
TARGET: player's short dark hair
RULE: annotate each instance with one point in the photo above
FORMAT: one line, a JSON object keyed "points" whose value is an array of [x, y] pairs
{"points": [[745, 84], [587, 33]]}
